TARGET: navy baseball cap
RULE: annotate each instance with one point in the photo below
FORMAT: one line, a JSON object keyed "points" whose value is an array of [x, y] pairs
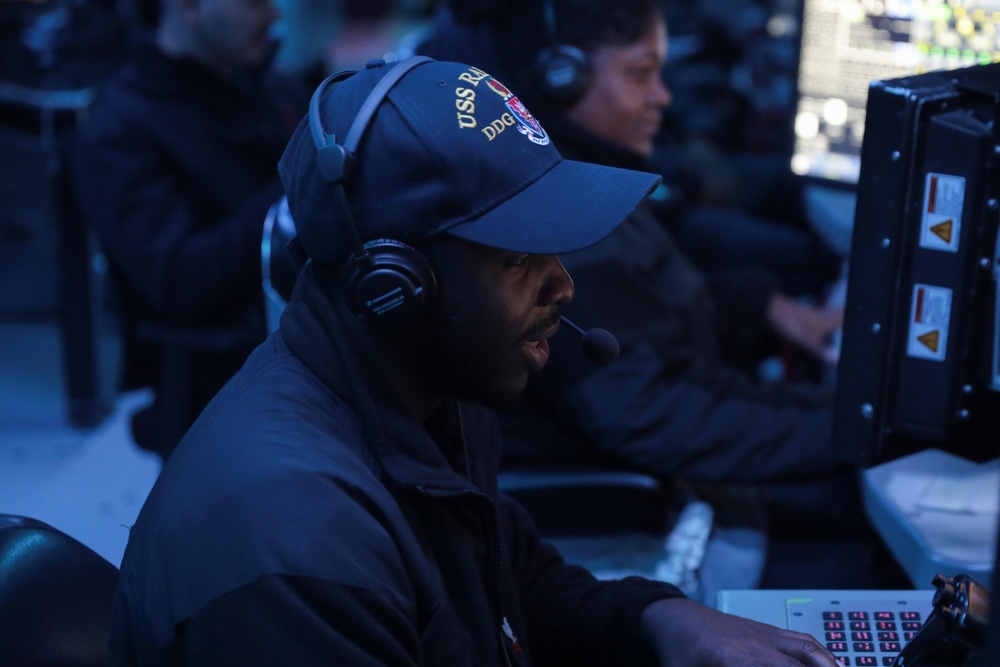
{"points": [[451, 150]]}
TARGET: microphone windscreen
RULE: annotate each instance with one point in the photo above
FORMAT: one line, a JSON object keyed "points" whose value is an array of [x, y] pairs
{"points": [[600, 347]]}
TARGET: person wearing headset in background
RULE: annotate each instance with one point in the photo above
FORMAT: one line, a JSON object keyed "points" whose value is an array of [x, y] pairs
{"points": [[677, 404], [175, 172], [337, 501]]}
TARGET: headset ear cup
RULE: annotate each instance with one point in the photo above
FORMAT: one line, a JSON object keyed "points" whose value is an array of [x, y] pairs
{"points": [[391, 286], [563, 73]]}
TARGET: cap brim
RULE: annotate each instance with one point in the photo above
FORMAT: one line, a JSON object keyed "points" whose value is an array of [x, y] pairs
{"points": [[572, 206]]}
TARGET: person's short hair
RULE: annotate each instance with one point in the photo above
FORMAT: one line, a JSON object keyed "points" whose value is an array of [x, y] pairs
{"points": [[521, 30], [449, 150]]}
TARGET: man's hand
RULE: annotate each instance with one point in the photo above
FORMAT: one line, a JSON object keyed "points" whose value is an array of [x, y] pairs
{"points": [[685, 633], [805, 326]]}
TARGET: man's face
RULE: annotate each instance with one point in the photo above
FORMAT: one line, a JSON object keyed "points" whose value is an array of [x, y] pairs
{"points": [[626, 97], [487, 330], [233, 33]]}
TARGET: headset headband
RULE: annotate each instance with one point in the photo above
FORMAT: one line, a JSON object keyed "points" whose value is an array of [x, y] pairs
{"points": [[336, 168]]}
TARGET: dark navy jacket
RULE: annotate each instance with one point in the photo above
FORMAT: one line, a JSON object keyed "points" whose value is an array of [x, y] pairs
{"points": [[175, 171], [306, 519]]}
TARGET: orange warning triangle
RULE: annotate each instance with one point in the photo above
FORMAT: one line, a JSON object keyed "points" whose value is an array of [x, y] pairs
{"points": [[943, 230], [931, 339]]}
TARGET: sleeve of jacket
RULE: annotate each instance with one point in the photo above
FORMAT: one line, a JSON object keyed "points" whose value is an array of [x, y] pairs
{"points": [[288, 593], [666, 408], [573, 618], [303, 621], [136, 195]]}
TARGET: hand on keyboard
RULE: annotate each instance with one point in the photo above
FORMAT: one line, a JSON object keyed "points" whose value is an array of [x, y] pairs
{"points": [[685, 633]]}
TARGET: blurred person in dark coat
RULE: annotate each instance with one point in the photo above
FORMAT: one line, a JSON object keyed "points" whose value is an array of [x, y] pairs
{"points": [[176, 171]]}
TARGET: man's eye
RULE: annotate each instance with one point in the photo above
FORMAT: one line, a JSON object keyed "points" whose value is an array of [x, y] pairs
{"points": [[520, 260]]}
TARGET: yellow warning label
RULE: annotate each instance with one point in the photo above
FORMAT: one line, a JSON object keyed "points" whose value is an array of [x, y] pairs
{"points": [[941, 216], [931, 339], [943, 230], [930, 319]]}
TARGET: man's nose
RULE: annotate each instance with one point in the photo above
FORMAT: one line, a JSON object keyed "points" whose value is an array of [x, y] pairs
{"points": [[558, 288], [661, 94]]}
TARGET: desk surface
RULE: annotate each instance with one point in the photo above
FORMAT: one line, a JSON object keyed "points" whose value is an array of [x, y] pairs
{"points": [[937, 513]]}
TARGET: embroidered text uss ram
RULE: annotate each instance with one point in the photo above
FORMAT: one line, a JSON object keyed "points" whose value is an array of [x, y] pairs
{"points": [[465, 97]]}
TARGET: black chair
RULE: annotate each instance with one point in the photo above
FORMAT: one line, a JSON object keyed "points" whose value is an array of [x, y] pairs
{"points": [[56, 596], [176, 352], [600, 501], [279, 266]]}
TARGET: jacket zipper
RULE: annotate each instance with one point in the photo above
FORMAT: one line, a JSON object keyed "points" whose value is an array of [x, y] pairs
{"points": [[493, 522]]}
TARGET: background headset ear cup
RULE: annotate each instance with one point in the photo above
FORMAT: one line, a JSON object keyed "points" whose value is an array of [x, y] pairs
{"points": [[563, 73], [391, 285]]}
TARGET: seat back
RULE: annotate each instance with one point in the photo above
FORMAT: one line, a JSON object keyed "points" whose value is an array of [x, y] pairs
{"points": [[279, 269], [56, 596]]}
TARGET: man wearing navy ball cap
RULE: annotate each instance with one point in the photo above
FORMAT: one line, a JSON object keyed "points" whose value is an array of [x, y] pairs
{"points": [[336, 503]]}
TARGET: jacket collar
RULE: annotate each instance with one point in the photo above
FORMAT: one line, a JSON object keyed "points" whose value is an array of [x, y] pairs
{"points": [[401, 447]]}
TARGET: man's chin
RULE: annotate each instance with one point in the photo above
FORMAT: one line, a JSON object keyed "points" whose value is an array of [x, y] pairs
{"points": [[496, 396]]}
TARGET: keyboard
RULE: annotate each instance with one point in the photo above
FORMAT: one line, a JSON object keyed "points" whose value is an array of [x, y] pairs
{"points": [[860, 633], [861, 628]]}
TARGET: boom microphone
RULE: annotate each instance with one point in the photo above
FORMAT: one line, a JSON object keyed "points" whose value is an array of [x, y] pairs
{"points": [[599, 345]]}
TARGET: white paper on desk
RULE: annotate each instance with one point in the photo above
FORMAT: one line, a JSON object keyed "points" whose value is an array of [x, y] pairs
{"points": [[976, 490]]}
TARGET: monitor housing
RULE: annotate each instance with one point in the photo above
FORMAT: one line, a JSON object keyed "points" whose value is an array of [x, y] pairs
{"points": [[919, 355]]}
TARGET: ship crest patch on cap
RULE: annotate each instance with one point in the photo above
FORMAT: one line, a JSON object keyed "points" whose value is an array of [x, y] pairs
{"points": [[517, 114], [527, 124]]}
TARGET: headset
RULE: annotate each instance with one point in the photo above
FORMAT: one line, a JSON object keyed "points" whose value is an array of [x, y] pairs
{"points": [[563, 71], [387, 282]]}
